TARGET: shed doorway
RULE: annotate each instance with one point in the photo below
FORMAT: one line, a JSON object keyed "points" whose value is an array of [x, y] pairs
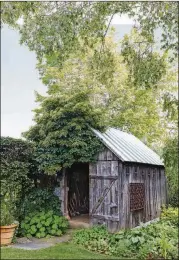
{"points": [[78, 192]]}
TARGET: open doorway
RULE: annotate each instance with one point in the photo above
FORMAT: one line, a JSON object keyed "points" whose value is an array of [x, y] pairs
{"points": [[78, 193]]}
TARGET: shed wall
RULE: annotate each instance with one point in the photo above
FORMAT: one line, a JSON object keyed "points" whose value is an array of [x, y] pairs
{"points": [[114, 211], [155, 194]]}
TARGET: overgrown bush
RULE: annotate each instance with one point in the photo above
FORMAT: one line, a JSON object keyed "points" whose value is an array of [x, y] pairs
{"points": [[43, 224], [95, 239], [170, 155], [157, 240], [7, 213], [17, 168], [39, 200], [170, 214]]}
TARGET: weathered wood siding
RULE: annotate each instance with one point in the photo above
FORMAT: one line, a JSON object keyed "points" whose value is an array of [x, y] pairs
{"points": [[114, 211], [101, 174], [62, 191], [155, 194]]}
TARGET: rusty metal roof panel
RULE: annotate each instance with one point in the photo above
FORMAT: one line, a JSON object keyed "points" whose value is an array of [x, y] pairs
{"points": [[127, 147]]}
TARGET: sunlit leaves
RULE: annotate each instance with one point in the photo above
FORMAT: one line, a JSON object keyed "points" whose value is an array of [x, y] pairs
{"points": [[59, 27]]}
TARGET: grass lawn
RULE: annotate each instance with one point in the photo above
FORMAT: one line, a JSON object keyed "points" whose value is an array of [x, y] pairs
{"points": [[60, 251]]}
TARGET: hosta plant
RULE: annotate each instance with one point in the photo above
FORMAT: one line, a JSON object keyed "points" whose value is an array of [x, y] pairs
{"points": [[43, 224]]}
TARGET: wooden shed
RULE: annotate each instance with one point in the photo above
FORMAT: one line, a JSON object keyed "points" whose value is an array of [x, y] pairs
{"points": [[124, 187]]}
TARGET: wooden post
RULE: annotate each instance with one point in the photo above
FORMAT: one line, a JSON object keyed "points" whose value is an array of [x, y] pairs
{"points": [[66, 213]]}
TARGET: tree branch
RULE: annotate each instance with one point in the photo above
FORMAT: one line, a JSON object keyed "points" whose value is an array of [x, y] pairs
{"points": [[103, 39]]}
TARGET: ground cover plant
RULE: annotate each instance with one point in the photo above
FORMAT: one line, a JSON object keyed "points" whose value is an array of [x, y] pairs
{"points": [[170, 214], [43, 224], [157, 240]]}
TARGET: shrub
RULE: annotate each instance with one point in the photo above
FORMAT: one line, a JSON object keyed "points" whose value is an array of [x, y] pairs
{"points": [[157, 240], [95, 239], [17, 166], [7, 214], [43, 224], [170, 155], [170, 214], [40, 200]]}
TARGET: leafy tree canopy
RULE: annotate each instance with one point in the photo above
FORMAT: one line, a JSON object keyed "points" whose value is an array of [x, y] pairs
{"points": [[81, 97], [63, 133], [132, 90], [59, 27]]}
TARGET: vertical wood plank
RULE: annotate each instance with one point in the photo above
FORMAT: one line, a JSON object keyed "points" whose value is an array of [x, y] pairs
{"points": [[120, 196], [109, 155], [151, 195], [123, 194]]}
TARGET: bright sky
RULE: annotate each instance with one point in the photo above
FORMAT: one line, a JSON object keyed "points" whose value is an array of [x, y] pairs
{"points": [[19, 79], [123, 19]]}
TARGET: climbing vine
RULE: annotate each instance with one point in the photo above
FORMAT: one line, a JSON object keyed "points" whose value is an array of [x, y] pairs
{"points": [[63, 132]]}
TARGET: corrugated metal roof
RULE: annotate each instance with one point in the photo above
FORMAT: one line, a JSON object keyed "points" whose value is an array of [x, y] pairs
{"points": [[127, 147]]}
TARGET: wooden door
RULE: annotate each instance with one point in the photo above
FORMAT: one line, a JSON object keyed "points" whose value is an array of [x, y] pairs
{"points": [[104, 193]]}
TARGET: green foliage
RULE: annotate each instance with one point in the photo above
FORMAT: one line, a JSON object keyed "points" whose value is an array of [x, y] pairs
{"points": [[64, 20], [43, 224], [17, 169], [80, 97], [95, 239], [153, 241], [170, 214], [76, 61], [63, 132], [57, 44], [146, 66], [38, 200], [170, 154], [7, 213]]}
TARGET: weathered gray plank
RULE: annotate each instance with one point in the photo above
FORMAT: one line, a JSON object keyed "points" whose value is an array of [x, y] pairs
{"points": [[102, 177], [93, 168], [114, 168], [109, 155], [107, 217], [102, 155], [120, 173]]}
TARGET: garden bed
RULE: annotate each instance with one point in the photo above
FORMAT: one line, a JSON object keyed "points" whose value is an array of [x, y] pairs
{"points": [[158, 240]]}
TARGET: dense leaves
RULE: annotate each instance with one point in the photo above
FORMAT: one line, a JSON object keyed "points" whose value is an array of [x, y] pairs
{"points": [[43, 224], [146, 66], [58, 27], [170, 154], [170, 214], [87, 93], [133, 91], [63, 132], [157, 240], [7, 213], [38, 200], [17, 168]]}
